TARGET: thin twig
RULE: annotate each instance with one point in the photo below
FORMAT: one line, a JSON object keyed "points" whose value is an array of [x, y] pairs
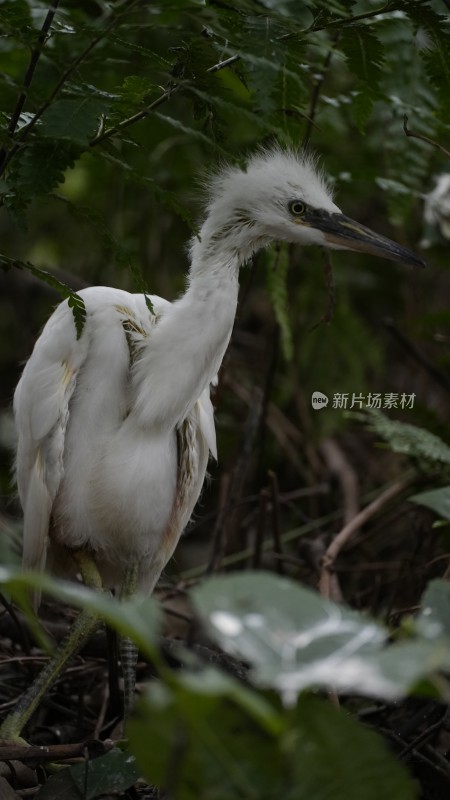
{"points": [[423, 138], [328, 314], [26, 130], [35, 56], [339, 465], [227, 62], [363, 16], [125, 123], [260, 528], [237, 480], [343, 22], [51, 752], [276, 524], [288, 559], [346, 533], [310, 116], [219, 527], [438, 375]]}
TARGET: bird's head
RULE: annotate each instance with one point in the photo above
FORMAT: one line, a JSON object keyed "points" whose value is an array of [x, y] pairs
{"points": [[284, 197]]}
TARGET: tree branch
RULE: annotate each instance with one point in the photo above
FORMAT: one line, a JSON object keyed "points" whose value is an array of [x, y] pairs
{"points": [[327, 577], [346, 21], [315, 97], [125, 123], [423, 138], [365, 15], [35, 55], [26, 130]]}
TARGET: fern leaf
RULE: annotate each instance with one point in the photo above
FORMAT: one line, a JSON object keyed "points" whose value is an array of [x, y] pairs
{"points": [[40, 167], [365, 56], [277, 270], [438, 500], [76, 303], [75, 120], [410, 440]]}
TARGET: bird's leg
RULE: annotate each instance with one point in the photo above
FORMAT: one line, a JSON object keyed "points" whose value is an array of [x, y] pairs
{"points": [[128, 649], [82, 628]]}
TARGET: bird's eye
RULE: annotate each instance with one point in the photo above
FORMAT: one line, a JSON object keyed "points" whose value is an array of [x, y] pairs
{"points": [[297, 208]]}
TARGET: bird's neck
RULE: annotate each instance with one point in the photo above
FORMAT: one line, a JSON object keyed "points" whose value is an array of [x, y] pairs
{"points": [[186, 347]]}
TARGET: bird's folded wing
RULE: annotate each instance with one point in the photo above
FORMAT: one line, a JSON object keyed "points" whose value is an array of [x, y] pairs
{"points": [[41, 409], [206, 421]]}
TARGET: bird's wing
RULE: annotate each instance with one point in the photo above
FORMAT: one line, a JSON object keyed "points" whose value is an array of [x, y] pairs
{"points": [[41, 410], [206, 426], [196, 439]]}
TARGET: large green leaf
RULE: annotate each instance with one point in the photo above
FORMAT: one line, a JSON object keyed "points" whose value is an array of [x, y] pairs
{"points": [[75, 120], [196, 741], [365, 55], [277, 270], [436, 499], [436, 53], [338, 759], [433, 621], [201, 740], [294, 639], [137, 618], [16, 20], [410, 439], [41, 166], [109, 774]]}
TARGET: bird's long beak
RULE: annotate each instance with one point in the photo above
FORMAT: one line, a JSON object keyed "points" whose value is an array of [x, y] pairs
{"points": [[345, 233]]}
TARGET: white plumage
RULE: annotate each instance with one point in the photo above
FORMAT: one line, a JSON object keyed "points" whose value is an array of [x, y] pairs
{"points": [[102, 460], [97, 466], [114, 429], [99, 419]]}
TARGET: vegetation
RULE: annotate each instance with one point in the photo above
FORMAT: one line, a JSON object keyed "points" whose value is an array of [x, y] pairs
{"points": [[111, 116]]}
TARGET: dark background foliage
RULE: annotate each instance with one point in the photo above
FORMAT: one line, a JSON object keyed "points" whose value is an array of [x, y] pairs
{"points": [[110, 121]]}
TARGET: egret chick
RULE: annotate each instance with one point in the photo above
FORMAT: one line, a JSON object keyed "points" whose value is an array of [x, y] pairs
{"points": [[115, 428]]}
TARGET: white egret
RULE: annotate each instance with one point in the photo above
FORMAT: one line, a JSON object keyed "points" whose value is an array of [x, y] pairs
{"points": [[115, 428], [437, 207]]}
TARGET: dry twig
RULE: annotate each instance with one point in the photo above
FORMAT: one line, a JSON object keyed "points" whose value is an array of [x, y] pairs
{"points": [[328, 585]]}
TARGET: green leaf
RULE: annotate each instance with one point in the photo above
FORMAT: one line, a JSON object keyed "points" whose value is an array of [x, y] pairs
{"points": [[295, 639], [109, 774], [167, 198], [338, 759], [198, 741], [364, 53], [192, 133], [436, 499], [16, 20], [437, 65], [40, 167], [137, 618], [277, 275], [58, 786], [112, 773], [362, 105], [292, 636], [433, 621], [76, 303], [410, 439], [261, 80], [134, 90], [436, 56], [365, 56], [74, 120]]}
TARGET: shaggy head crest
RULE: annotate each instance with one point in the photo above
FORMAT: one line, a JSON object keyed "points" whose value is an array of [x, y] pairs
{"points": [[272, 176]]}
